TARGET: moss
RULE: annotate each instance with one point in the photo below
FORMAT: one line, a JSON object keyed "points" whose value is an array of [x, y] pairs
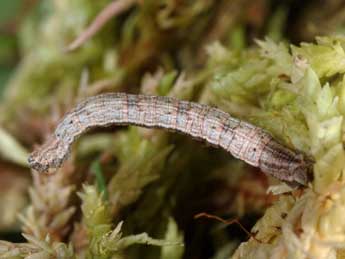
{"points": [[151, 183]]}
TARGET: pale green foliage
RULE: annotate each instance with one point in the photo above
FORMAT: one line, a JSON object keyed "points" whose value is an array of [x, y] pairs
{"points": [[46, 68], [11, 150], [104, 242], [96, 211], [327, 57], [173, 233], [36, 219], [36, 249], [258, 89], [325, 127], [290, 93], [141, 163]]}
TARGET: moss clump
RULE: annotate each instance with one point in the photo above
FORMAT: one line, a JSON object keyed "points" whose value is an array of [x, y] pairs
{"points": [[126, 187]]}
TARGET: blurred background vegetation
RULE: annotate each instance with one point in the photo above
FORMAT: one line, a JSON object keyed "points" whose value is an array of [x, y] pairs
{"points": [[130, 181]]}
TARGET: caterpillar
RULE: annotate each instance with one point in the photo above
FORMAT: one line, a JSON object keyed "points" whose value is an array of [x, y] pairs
{"points": [[241, 139]]}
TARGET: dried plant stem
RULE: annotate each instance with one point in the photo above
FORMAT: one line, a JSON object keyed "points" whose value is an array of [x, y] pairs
{"points": [[114, 8], [226, 222]]}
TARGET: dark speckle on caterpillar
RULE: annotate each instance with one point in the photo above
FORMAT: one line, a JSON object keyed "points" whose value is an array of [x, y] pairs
{"points": [[243, 140]]}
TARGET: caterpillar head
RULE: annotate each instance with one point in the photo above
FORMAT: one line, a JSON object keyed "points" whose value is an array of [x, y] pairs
{"points": [[50, 155]]}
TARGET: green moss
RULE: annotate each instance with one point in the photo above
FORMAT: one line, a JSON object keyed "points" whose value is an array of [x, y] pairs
{"points": [[156, 181]]}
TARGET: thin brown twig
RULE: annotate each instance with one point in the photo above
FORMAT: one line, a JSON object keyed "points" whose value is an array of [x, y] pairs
{"points": [[112, 9], [226, 222]]}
